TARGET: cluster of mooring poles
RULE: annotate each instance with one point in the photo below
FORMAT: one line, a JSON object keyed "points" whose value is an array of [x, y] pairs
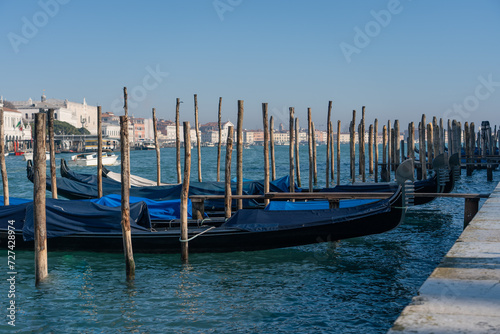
{"points": [[480, 150]]}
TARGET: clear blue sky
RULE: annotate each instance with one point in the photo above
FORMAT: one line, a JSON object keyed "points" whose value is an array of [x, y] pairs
{"points": [[426, 58]]}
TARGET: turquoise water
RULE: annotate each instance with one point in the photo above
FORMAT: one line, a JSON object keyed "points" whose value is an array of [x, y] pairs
{"points": [[357, 285]]}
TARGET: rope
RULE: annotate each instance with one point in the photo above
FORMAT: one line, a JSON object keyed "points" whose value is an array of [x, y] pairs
{"points": [[193, 237]]}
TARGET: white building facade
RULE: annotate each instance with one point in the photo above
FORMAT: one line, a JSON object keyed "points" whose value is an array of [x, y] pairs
{"points": [[77, 114]]}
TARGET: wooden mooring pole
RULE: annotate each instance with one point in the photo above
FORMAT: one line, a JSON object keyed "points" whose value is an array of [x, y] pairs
{"points": [[332, 158], [39, 188], [271, 138], [239, 155], [178, 141], [470, 209], [227, 175], [266, 151], [297, 157], [338, 152], [352, 137], [383, 171], [397, 148], [375, 148], [315, 166], [389, 152], [309, 141], [362, 155], [3, 167], [125, 201], [219, 145], [421, 147], [99, 152], [198, 139], [291, 149], [370, 149], [429, 143], [328, 143], [185, 194], [157, 148], [52, 152]]}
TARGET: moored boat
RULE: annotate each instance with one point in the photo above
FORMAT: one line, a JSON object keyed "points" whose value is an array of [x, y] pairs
{"points": [[90, 159], [92, 227]]}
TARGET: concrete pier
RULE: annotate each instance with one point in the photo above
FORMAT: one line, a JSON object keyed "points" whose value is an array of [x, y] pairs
{"points": [[463, 293]]}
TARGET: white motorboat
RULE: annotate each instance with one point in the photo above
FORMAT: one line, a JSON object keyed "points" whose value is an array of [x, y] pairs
{"points": [[28, 155], [90, 159]]}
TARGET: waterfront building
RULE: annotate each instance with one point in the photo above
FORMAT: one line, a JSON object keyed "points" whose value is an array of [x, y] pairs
{"points": [[77, 114]]}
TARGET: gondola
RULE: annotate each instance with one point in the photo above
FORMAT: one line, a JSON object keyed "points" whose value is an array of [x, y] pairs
{"points": [[87, 186], [92, 227]]}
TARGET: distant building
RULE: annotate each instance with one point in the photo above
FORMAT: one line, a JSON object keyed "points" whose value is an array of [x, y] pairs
{"points": [[209, 132], [77, 114], [16, 129]]}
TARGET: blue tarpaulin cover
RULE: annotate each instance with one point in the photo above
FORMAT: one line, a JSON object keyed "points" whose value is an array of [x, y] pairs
{"points": [[14, 212], [264, 220], [65, 218], [315, 205], [158, 210]]}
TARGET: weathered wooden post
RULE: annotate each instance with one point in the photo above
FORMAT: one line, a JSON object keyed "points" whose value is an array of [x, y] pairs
{"points": [[39, 187], [362, 155], [393, 150], [219, 146], [411, 141], [239, 155], [271, 135], [266, 151], [389, 151], [472, 144], [185, 193], [125, 109], [375, 148], [471, 207], [450, 139], [421, 147], [178, 141], [309, 141], [441, 136], [361, 144], [429, 143], [332, 158], [328, 143], [291, 149], [468, 159], [52, 152], [125, 200], [338, 152], [198, 139], [3, 167], [99, 152], [397, 148], [385, 166], [157, 148], [370, 149], [125, 101], [352, 138], [297, 158], [227, 175], [315, 167], [436, 137]]}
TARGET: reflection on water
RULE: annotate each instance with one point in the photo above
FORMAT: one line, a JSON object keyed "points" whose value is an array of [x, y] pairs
{"points": [[353, 286]]}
